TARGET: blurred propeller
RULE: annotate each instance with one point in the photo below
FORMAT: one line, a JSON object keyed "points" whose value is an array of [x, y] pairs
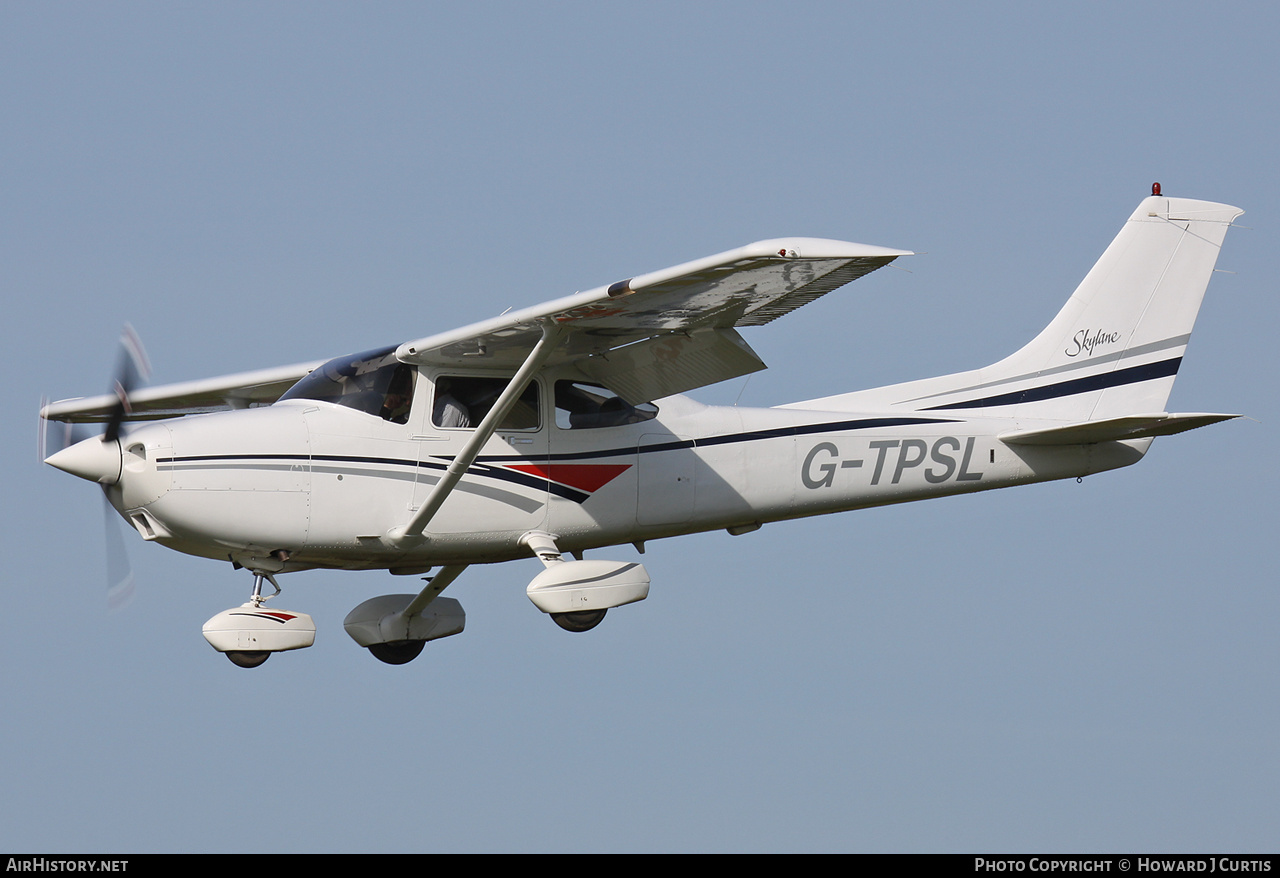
{"points": [[119, 571], [132, 371]]}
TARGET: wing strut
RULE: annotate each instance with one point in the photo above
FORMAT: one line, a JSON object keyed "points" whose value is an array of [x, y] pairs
{"points": [[435, 585], [412, 532]]}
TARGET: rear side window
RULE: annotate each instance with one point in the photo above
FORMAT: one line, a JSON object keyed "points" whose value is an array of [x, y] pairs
{"points": [[583, 406]]}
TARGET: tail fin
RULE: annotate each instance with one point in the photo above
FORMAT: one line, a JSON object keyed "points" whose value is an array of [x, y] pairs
{"points": [[1114, 348]]}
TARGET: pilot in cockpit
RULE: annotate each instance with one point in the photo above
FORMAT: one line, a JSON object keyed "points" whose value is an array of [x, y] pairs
{"points": [[449, 411]]}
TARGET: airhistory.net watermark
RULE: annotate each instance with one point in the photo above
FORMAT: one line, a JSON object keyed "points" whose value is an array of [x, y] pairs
{"points": [[43, 864]]}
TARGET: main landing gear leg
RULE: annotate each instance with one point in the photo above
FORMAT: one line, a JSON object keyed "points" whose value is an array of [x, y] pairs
{"points": [[395, 627], [577, 594]]}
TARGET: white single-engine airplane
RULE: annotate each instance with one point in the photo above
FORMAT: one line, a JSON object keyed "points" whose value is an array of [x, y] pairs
{"points": [[558, 429]]}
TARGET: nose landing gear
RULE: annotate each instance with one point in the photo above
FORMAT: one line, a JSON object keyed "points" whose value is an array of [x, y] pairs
{"points": [[248, 634]]}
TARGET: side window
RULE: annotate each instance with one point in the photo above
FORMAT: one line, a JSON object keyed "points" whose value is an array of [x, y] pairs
{"points": [[583, 406], [395, 406], [463, 401]]}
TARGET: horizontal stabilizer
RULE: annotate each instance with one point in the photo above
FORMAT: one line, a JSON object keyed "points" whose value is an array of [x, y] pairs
{"points": [[1113, 429]]}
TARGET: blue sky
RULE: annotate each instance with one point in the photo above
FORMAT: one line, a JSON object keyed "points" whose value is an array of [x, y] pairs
{"points": [[1066, 667]]}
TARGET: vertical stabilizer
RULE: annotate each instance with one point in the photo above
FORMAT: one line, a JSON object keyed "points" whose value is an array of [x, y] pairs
{"points": [[1114, 348]]}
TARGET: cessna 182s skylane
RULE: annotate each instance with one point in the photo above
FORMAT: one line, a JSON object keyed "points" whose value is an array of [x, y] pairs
{"points": [[558, 429]]}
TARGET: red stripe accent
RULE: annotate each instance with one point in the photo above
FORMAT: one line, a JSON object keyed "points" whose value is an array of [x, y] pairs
{"points": [[267, 614], [589, 477]]}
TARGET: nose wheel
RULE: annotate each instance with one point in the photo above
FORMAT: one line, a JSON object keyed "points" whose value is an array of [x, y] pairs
{"points": [[245, 659]]}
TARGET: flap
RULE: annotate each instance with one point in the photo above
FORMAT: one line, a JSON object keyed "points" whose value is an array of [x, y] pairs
{"points": [[672, 363]]}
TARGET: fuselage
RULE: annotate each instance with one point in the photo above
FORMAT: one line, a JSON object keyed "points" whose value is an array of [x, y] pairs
{"points": [[312, 483]]}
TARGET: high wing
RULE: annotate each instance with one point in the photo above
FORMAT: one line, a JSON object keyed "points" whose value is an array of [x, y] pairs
{"points": [[669, 331], [261, 387], [647, 337]]}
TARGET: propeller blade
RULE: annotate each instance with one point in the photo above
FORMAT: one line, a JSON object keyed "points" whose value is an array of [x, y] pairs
{"points": [[132, 370], [119, 571]]}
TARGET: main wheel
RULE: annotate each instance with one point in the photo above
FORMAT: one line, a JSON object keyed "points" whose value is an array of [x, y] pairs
{"points": [[583, 621], [248, 659], [399, 652]]}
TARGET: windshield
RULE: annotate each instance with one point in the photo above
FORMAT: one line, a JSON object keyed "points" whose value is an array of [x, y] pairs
{"points": [[373, 382]]}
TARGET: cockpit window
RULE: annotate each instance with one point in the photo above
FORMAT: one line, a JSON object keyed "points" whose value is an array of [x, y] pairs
{"points": [[373, 382], [582, 406]]}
